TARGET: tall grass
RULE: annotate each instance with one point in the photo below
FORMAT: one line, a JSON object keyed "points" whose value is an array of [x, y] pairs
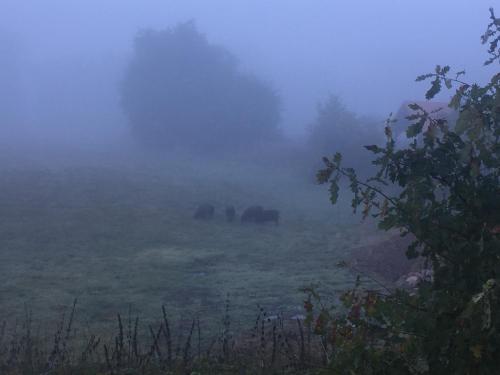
{"points": [[274, 345]]}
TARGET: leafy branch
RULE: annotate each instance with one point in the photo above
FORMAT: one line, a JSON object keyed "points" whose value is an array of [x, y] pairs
{"points": [[444, 189]]}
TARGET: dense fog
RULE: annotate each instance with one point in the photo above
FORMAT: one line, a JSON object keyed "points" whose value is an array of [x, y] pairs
{"points": [[166, 152], [63, 62]]}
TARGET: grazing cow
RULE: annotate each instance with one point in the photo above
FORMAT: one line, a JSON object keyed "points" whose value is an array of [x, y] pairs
{"points": [[252, 214], [269, 215], [204, 212], [230, 213]]}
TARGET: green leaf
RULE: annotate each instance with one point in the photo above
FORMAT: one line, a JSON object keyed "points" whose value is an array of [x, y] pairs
{"points": [[456, 100], [423, 77], [415, 129], [415, 107], [464, 122], [465, 153], [434, 90], [374, 148], [323, 175], [388, 222], [334, 192]]}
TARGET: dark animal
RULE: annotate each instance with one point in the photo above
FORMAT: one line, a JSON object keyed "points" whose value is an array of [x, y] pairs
{"points": [[269, 215], [204, 212], [230, 214], [251, 214]]}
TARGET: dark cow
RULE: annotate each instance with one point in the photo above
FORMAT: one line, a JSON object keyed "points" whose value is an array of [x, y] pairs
{"points": [[230, 214], [252, 214], [269, 215], [204, 212]]}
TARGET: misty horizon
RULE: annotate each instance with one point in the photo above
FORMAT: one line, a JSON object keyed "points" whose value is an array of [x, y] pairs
{"points": [[368, 55]]}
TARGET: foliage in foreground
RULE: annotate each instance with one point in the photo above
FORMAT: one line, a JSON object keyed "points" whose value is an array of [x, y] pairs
{"points": [[444, 190], [274, 345]]}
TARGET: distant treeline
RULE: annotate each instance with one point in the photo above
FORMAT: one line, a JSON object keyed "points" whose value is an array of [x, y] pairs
{"points": [[182, 92]]}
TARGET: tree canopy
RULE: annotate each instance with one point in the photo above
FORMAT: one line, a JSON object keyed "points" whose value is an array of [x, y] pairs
{"points": [[180, 90]]}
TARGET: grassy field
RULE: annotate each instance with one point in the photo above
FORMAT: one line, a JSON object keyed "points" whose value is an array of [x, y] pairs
{"points": [[120, 235]]}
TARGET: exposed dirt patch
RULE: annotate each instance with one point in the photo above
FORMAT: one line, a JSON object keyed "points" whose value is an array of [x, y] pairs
{"points": [[385, 257]]}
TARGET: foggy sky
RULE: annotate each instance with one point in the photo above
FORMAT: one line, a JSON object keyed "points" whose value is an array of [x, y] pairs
{"points": [[367, 52]]}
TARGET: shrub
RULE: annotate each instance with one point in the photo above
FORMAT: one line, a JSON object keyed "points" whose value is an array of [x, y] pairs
{"points": [[448, 198]]}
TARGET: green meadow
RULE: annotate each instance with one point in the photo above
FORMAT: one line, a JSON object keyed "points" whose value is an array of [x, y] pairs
{"points": [[119, 236]]}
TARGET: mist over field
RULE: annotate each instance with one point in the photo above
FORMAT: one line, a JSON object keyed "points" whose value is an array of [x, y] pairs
{"points": [[165, 152]]}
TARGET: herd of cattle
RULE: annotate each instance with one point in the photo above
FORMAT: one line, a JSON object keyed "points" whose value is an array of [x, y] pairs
{"points": [[253, 214]]}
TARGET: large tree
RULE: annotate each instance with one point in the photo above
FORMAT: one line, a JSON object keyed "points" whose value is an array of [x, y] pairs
{"points": [[180, 90]]}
